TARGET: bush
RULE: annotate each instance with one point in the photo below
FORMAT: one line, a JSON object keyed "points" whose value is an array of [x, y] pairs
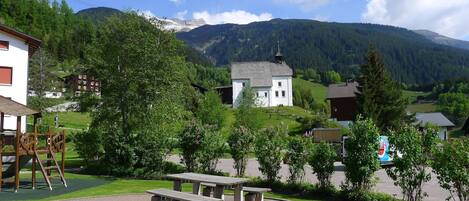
{"points": [[296, 158], [362, 158], [451, 165], [322, 163], [213, 146], [190, 143], [246, 114], [88, 145], [241, 143], [269, 151], [330, 77], [211, 110], [410, 170], [455, 105]]}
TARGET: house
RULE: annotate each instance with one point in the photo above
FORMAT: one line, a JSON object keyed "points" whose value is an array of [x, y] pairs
{"points": [[271, 81], [343, 100], [435, 118], [15, 50], [83, 82]]}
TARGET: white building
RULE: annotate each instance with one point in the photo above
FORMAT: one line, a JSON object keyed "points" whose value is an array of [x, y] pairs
{"points": [[270, 81], [437, 119], [15, 50]]}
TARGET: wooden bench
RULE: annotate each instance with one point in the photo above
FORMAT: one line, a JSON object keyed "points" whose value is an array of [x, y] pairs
{"points": [[255, 194], [165, 194]]}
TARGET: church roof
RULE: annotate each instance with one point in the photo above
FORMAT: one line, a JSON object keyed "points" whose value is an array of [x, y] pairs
{"points": [[259, 73]]}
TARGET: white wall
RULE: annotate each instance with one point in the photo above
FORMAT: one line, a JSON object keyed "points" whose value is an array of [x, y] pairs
{"points": [[270, 100], [442, 133], [237, 91], [17, 58], [286, 85]]}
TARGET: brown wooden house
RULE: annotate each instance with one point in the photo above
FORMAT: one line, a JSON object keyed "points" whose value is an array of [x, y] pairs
{"points": [[81, 83], [343, 101]]}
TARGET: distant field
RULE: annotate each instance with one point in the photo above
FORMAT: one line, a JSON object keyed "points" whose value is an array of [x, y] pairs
{"points": [[319, 90], [424, 107]]}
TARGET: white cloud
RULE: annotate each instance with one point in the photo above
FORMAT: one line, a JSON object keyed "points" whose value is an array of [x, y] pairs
{"points": [[177, 2], [447, 17], [305, 5], [181, 15], [234, 16]]}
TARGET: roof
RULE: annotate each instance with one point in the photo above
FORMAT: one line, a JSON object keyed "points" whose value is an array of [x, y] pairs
{"points": [[435, 118], [10, 107], [343, 90], [33, 43], [259, 73]]}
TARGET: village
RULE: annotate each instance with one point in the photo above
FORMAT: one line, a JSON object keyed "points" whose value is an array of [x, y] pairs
{"points": [[145, 119]]}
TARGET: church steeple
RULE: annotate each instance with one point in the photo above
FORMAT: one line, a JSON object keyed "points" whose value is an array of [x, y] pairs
{"points": [[278, 56]]}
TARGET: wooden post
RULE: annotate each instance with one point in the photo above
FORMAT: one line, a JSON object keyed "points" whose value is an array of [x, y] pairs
{"points": [[33, 168], [1, 161], [238, 193], [177, 185], [49, 147], [2, 119], [196, 188], [218, 193], [63, 152], [17, 154]]}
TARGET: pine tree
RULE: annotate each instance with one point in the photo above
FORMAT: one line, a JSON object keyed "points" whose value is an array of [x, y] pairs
{"points": [[380, 97]]}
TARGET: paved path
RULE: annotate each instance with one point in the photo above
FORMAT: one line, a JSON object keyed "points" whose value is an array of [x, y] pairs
{"points": [[384, 184]]}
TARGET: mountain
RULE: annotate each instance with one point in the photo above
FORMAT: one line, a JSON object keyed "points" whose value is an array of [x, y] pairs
{"points": [[409, 57], [443, 40], [98, 14]]}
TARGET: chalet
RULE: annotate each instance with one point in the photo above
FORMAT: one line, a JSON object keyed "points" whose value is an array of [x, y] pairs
{"points": [[343, 100], [15, 50], [271, 81], [82, 83], [437, 119]]}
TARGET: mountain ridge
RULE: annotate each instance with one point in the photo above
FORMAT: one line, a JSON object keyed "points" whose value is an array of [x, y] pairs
{"points": [[409, 56]]}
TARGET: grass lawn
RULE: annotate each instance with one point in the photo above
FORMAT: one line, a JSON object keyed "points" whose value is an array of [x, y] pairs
{"points": [[69, 120], [319, 90], [424, 107]]}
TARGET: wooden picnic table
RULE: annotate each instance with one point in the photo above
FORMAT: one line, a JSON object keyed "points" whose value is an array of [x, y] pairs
{"points": [[220, 183]]}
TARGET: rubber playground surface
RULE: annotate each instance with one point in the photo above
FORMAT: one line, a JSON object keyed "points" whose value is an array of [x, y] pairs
{"points": [[42, 190]]}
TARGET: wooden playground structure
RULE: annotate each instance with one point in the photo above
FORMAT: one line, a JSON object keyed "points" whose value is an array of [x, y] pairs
{"points": [[33, 148]]}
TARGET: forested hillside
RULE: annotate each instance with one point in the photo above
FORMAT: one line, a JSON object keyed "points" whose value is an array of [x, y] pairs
{"points": [[410, 57]]}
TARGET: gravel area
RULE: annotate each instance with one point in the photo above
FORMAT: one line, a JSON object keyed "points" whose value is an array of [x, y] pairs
{"points": [[384, 184]]}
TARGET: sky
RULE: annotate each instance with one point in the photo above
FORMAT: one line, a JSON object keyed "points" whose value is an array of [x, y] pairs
{"points": [[446, 17]]}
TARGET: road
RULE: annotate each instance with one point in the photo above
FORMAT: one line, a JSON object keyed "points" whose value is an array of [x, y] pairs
{"points": [[384, 183]]}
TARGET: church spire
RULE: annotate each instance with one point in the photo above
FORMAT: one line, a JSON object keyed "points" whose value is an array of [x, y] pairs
{"points": [[278, 56]]}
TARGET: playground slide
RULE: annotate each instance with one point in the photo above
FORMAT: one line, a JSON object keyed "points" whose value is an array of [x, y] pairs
{"points": [[10, 169]]}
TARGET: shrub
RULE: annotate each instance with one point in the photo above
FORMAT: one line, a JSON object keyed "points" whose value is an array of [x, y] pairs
{"points": [[362, 158], [212, 149], [241, 142], [190, 142], [296, 158], [455, 105], [88, 145], [451, 165], [322, 163], [269, 151], [410, 170], [246, 114], [211, 110]]}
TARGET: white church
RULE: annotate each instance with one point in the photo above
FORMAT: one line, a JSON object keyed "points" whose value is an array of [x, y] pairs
{"points": [[271, 81]]}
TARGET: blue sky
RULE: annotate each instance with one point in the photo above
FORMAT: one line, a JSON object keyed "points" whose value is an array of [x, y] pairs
{"points": [[447, 17]]}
